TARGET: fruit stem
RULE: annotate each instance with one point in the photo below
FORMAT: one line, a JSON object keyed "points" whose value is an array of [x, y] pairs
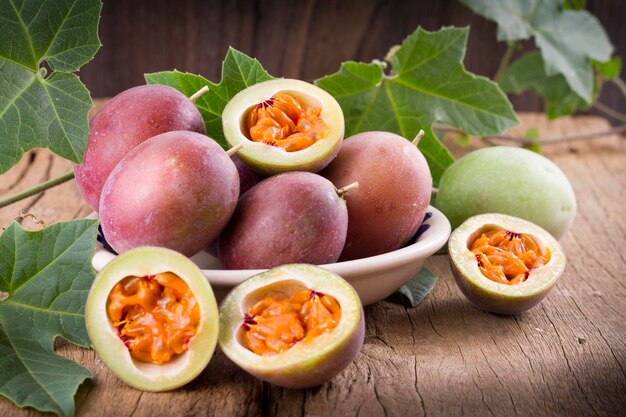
{"points": [[37, 189], [234, 149], [345, 190], [419, 136], [198, 94]]}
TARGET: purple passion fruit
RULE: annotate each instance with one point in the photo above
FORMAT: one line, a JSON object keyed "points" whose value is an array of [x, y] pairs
{"points": [[504, 264], [248, 178], [177, 190], [152, 318], [394, 191], [125, 121], [284, 125], [511, 181], [295, 217], [295, 326]]}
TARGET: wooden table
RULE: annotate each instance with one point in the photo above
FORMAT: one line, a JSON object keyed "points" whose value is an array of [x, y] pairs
{"points": [[567, 356]]}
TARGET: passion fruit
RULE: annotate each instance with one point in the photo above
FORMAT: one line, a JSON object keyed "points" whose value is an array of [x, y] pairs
{"points": [[295, 217], [504, 264], [152, 318], [284, 125], [394, 191], [508, 180], [128, 119], [296, 326]]}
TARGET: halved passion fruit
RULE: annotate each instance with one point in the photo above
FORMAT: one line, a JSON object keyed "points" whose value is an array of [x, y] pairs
{"points": [[504, 264], [152, 318], [284, 125], [295, 325]]}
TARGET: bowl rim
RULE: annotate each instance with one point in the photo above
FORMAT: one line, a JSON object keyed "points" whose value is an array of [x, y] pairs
{"points": [[429, 242]]}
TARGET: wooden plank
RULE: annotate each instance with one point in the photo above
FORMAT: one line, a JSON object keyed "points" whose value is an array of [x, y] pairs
{"points": [[567, 356]]}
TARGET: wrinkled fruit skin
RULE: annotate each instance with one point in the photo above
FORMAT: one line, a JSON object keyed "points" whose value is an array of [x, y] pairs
{"points": [[312, 366], [501, 298], [248, 178], [295, 217], [508, 180], [124, 122], [394, 191], [177, 190], [105, 338]]}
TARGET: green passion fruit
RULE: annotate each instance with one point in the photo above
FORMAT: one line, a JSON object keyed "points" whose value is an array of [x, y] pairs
{"points": [[152, 318], [507, 180], [296, 326], [504, 264], [284, 125], [125, 121]]}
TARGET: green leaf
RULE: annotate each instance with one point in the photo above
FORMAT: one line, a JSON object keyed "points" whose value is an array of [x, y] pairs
{"points": [[414, 292], [574, 4], [427, 84], [532, 134], [527, 74], [44, 280], [568, 39], [38, 111], [610, 69], [239, 71]]}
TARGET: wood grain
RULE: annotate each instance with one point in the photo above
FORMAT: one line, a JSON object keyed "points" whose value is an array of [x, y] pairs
{"points": [[567, 356], [304, 39]]}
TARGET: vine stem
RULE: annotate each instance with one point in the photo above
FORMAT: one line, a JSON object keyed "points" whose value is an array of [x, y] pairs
{"points": [[609, 111], [506, 60], [37, 189], [620, 84], [549, 141]]}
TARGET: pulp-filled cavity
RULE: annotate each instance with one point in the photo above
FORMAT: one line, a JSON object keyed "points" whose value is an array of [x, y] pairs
{"points": [[508, 257], [156, 316], [272, 326], [285, 122]]}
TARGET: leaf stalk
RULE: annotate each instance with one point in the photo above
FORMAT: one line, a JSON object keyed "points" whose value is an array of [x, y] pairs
{"points": [[37, 189]]}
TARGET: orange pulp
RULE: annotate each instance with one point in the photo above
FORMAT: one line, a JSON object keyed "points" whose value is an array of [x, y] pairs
{"points": [[283, 121], [273, 326], [155, 316], [508, 257]]}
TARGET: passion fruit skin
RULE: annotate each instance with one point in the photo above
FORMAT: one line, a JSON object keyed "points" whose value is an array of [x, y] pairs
{"points": [[491, 296], [269, 160], [303, 365], [395, 186], [295, 217], [508, 180], [248, 178], [104, 336], [177, 190], [128, 119]]}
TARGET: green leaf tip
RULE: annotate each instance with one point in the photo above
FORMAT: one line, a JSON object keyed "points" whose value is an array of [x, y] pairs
{"points": [[414, 291]]}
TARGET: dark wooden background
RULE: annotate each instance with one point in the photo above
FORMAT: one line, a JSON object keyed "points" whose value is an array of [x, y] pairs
{"points": [[300, 39]]}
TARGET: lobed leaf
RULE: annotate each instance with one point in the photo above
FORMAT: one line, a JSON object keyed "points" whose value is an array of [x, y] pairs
{"points": [[568, 39], [45, 277], [37, 109], [427, 83]]}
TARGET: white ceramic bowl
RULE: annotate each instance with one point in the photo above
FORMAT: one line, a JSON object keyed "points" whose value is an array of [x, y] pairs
{"points": [[374, 278]]}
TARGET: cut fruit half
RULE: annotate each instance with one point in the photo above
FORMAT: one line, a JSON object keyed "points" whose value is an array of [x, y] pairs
{"points": [[284, 125], [152, 318], [296, 325], [504, 264]]}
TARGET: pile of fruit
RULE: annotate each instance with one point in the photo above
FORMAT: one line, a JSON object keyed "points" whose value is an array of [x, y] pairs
{"points": [[276, 199], [289, 194]]}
